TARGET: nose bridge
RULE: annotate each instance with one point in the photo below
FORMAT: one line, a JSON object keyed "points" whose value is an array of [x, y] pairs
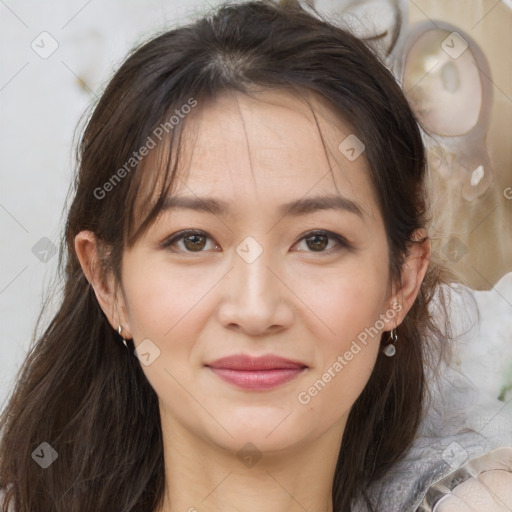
{"points": [[251, 271], [252, 294]]}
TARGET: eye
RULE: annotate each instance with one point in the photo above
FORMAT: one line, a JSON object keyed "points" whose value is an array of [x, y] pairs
{"points": [[193, 240], [319, 240], [196, 241]]}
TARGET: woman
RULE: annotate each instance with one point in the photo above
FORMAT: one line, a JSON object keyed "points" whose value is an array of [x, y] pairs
{"points": [[244, 323]]}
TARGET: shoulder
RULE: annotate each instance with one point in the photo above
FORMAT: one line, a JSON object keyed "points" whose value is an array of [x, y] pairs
{"points": [[483, 483]]}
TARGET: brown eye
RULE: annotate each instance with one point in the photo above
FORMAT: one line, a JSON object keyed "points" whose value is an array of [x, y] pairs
{"points": [[191, 241], [318, 242], [194, 242]]}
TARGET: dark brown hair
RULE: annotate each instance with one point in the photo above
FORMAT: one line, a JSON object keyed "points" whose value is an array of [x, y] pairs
{"points": [[79, 389]]}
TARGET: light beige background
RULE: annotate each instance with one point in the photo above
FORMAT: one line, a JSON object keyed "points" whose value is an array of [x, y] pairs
{"points": [[484, 225]]}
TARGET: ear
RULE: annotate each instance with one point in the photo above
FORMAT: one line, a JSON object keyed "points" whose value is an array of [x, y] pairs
{"points": [[413, 272], [112, 303]]}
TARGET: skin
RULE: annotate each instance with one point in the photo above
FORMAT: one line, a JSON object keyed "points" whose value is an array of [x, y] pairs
{"points": [[293, 300], [491, 492], [489, 489]]}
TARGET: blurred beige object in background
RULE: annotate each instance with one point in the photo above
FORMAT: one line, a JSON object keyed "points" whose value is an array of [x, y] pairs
{"points": [[471, 169]]}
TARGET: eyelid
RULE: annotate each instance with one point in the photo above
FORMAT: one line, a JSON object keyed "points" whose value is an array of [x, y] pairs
{"points": [[341, 240], [179, 235], [330, 234]]}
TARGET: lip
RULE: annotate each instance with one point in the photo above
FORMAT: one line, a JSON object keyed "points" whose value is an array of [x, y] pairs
{"points": [[256, 373], [245, 362]]}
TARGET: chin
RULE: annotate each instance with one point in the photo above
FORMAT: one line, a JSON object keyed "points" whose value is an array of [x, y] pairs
{"points": [[268, 428]]}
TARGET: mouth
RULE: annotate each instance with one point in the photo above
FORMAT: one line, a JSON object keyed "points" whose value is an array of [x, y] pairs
{"points": [[257, 373]]}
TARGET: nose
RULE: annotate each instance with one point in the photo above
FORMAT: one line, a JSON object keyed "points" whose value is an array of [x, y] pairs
{"points": [[255, 300]]}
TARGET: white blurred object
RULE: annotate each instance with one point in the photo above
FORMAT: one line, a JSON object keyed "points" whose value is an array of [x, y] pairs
{"points": [[465, 419], [484, 352], [446, 78], [475, 390]]}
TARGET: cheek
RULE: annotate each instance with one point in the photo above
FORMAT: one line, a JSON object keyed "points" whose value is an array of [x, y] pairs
{"points": [[166, 308], [345, 300], [160, 300], [349, 303]]}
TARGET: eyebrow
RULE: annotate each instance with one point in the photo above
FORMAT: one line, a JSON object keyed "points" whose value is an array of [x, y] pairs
{"points": [[295, 208]]}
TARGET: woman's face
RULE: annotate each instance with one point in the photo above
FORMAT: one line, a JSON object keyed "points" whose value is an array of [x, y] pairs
{"points": [[257, 280]]}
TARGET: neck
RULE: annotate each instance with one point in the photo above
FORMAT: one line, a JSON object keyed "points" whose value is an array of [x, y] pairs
{"points": [[204, 477]]}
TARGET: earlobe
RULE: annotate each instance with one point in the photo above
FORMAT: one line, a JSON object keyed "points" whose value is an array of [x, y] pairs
{"points": [[413, 272], [87, 251]]}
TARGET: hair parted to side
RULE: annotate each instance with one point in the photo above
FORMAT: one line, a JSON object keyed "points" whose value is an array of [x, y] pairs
{"points": [[78, 389]]}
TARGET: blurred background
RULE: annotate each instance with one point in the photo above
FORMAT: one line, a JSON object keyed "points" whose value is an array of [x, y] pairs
{"points": [[452, 59]]}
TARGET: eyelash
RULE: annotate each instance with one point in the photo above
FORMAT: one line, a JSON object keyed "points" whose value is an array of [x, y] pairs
{"points": [[342, 242]]}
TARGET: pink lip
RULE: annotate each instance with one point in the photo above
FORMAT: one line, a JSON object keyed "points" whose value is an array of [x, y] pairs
{"points": [[257, 373]]}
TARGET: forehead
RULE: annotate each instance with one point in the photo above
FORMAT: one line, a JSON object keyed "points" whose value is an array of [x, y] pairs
{"points": [[271, 145], [260, 151]]}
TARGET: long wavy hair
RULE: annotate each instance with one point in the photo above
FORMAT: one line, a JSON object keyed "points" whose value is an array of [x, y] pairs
{"points": [[79, 389]]}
